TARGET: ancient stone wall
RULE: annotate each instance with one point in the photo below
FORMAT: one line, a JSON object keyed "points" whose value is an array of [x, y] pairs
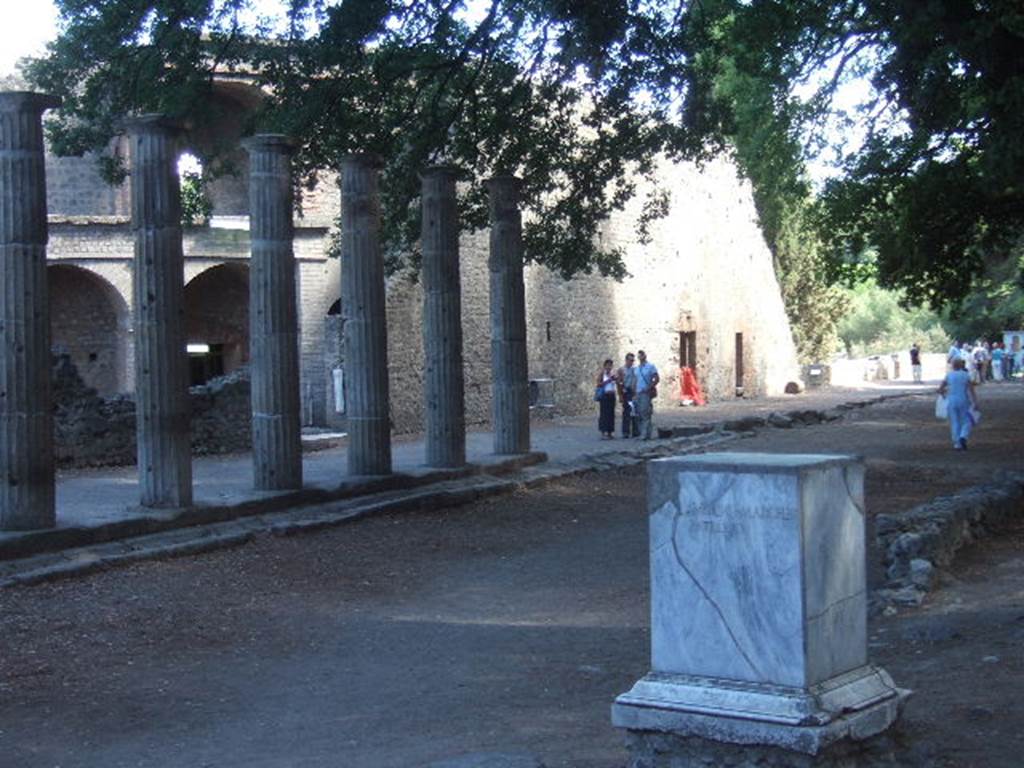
{"points": [[74, 188], [89, 320], [706, 270]]}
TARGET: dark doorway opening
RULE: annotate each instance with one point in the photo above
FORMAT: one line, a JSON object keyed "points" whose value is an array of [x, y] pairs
{"points": [[688, 350], [204, 364], [739, 365]]}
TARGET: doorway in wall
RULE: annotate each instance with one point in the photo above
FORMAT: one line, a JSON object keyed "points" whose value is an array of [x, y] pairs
{"points": [[739, 365], [688, 350], [205, 362]]}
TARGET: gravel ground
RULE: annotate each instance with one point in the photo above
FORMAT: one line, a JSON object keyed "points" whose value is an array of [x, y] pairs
{"points": [[505, 626]]}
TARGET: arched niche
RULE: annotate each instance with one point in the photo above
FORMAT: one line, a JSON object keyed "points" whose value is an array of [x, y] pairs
{"points": [[217, 321], [90, 321]]}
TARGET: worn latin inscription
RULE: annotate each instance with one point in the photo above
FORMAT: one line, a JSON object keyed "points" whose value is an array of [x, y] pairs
{"points": [[757, 511]]}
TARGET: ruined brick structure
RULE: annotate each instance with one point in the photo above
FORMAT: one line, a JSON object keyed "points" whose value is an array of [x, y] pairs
{"points": [[703, 288]]}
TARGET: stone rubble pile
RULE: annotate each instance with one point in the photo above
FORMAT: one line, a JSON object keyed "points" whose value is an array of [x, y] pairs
{"points": [[927, 537], [94, 431]]}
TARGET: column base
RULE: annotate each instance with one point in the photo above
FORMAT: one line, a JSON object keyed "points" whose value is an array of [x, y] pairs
{"points": [[854, 706]]}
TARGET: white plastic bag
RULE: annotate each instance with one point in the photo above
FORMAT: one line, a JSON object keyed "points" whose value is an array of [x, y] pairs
{"points": [[941, 411], [974, 415]]}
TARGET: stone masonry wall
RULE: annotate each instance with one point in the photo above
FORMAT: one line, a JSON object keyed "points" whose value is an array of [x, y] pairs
{"points": [[706, 270], [74, 188]]}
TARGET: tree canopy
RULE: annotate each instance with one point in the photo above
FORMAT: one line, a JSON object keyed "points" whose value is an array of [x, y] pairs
{"points": [[574, 98], [932, 194], [580, 98]]}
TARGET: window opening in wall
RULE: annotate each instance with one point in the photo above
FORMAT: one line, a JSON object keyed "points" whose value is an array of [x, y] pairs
{"points": [[196, 206], [688, 350], [739, 365], [205, 362], [547, 330], [542, 393]]}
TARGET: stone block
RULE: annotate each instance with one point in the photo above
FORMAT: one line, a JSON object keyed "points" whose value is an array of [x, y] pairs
{"points": [[759, 604]]}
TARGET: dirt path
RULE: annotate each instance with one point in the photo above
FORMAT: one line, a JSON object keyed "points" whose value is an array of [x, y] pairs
{"points": [[505, 626]]}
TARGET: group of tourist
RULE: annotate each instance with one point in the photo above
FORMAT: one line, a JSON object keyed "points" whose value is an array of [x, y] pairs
{"points": [[635, 385], [972, 365], [987, 362]]}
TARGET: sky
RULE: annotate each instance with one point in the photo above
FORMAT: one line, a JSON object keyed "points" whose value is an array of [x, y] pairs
{"points": [[34, 24]]}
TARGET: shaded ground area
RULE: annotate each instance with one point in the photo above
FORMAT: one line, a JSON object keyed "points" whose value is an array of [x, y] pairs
{"points": [[508, 625]]}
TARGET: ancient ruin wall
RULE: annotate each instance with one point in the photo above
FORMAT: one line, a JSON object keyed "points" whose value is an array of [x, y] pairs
{"points": [[706, 269]]}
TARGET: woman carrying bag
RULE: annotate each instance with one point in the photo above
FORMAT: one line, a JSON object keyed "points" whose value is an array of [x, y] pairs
{"points": [[961, 404], [604, 394]]}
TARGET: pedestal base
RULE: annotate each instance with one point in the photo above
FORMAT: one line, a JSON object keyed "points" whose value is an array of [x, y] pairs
{"points": [[853, 706], [651, 749]]}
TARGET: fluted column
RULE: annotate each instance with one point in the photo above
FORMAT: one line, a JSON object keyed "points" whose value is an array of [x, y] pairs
{"points": [[273, 321], [511, 401], [162, 407], [444, 390], [364, 317], [26, 402]]}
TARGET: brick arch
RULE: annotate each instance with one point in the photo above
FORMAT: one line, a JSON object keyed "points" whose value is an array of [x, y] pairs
{"points": [[90, 321], [229, 107], [217, 314]]}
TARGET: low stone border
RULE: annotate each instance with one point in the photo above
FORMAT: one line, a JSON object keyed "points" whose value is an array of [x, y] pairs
{"points": [[928, 536]]}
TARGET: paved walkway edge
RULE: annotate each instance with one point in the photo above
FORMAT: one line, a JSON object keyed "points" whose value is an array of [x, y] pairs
{"points": [[150, 520], [201, 529]]}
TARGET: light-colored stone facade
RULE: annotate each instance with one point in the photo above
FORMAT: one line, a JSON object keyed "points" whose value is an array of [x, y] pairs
{"points": [[706, 270]]}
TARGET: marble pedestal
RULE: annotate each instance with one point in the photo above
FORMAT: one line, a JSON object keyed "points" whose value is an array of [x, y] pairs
{"points": [[759, 605]]}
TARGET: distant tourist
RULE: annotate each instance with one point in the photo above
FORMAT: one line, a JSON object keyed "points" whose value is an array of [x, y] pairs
{"points": [[953, 355], [1014, 357], [604, 393], [915, 361], [646, 390], [627, 394], [958, 389], [980, 358], [965, 354], [997, 361]]}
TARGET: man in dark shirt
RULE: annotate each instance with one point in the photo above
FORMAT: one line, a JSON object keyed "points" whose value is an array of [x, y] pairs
{"points": [[915, 361]]}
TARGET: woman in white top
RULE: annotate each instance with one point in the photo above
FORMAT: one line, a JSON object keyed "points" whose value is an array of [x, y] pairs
{"points": [[606, 384]]}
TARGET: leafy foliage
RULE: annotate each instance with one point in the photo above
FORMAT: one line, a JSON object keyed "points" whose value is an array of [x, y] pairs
{"points": [[544, 89], [876, 323], [933, 195], [196, 205], [770, 155], [581, 98], [994, 304]]}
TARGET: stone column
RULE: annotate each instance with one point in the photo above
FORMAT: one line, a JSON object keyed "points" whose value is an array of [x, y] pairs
{"points": [[511, 399], [161, 367], [273, 320], [758, 616], [364, 317], [444, 389], [26, 407]]}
